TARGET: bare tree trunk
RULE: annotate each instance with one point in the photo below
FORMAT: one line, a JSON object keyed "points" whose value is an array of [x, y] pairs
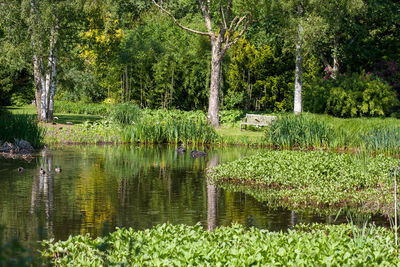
{"points": [[52, 87], [38, 82], [335, 55], [171, 91], [299, 69], [36, 57], [215, 83]]}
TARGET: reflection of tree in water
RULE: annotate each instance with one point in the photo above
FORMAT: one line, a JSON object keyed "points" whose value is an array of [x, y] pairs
{"points": [[212, 198], [96, 204], [43, 192]]}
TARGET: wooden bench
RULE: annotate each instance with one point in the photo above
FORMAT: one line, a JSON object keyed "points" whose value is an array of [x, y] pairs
{"points": [[257, 120]]}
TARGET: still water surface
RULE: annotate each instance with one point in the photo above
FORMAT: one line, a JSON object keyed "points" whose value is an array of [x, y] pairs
{"points": [[102, 187]]}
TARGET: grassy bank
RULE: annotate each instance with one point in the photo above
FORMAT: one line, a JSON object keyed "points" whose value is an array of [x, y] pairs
{"points": [[314, 179], [114, 124], [314, 131], [168, 245]]}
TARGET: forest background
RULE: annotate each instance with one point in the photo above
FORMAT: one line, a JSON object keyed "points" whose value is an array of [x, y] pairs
{"points": [[130, 51]]}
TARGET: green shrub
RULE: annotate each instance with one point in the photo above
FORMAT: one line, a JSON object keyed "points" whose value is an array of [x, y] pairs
{"points": [[351, 96], [231, 116], [181, 245], [299, 131], [21, 126], [125, 113]]}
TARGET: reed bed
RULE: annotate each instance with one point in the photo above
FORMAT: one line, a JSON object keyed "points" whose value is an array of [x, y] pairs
{"points": [[313, 131], [21, 126], [171, 131]]}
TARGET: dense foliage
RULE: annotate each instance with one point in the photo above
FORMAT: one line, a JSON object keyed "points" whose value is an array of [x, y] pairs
{"points": [[314, 179], [356, 95], [169, 245], [126, 51]]}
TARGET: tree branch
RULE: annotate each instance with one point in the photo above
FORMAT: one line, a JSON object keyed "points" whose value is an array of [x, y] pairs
{"points": [[206, 14], [177, 22], [245, 26]]}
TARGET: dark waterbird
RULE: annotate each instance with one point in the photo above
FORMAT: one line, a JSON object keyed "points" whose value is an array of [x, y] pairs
{"points": [[198, 154], [20, 169], [181, 149]]}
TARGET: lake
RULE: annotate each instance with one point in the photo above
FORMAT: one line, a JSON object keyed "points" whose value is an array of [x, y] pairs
{"points": [[103, 187]]}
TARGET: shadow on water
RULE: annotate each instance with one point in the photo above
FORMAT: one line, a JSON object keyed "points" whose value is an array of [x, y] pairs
{"points": [[101, 187]]}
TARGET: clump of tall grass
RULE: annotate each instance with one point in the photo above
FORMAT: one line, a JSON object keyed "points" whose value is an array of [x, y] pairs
{"points": [[125, 113], [81, 108], [21, 126], [299, 131], [170, 131], [382, 139]]}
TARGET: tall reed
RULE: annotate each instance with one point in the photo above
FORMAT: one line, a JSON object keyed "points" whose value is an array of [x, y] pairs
{"points": [[21, 126], [299, 131], [170, 131]]}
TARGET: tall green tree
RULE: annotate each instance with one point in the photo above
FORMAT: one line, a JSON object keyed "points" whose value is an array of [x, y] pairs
{"points": [[225, 22]]}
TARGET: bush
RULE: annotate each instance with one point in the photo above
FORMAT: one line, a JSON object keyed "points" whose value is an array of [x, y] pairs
{"points": [[231, 116], [126, 113], [299, 131], [351, 96]]}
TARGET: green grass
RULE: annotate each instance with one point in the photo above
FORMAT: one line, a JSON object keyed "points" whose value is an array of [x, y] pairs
{"points": [[62, 118], [180, 245], [312, 180]]}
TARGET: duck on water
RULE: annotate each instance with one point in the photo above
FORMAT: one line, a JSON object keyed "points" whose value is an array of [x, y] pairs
{"points": [[198, 154]]}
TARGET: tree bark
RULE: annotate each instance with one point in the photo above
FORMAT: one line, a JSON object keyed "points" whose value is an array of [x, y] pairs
{"points": [[215, 79], [36, 57], [299, 69], [52, 86], [335, 55]]}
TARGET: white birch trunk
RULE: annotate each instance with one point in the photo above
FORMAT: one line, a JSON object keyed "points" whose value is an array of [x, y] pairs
{"points": [[36, 57], [335, 56], [52, 86], [298, 74]]}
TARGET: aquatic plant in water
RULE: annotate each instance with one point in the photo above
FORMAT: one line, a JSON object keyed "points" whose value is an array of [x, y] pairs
{"points": [[313, 179], [175, 245]]}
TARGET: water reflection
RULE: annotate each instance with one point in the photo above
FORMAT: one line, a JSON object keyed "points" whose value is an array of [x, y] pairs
{"points": [[125, 186]]}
